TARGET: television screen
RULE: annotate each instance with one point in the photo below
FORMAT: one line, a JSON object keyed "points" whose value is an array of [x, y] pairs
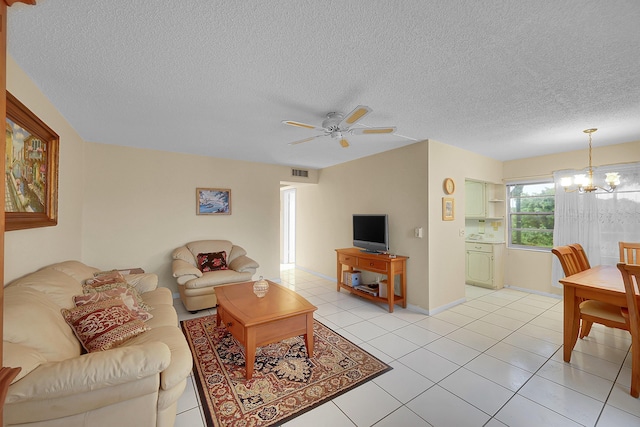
{"points": [[371, 232]]}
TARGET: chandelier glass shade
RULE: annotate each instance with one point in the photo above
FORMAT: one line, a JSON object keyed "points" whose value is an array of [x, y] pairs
{"points": [[583, 183]]}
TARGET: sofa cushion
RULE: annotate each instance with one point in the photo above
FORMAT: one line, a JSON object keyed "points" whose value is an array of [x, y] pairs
{"points": [[220, 277], [103, 325], [158, 296], [163, 315], [212, 261], [31, 319], [125, 294], [181, 359], [75, 269], [58, 286]]}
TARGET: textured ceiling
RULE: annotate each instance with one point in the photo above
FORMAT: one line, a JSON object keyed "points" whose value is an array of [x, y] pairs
{"points": [[507, 79]]}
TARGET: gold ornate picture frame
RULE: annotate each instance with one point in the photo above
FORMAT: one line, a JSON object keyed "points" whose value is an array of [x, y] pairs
{"points": [[448, 209], [31, 159]]}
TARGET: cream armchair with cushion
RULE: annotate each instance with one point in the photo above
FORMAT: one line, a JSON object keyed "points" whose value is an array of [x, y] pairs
{"points": [[200, 266]]}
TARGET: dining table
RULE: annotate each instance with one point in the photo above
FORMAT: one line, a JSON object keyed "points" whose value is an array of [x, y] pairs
{"points": [[600, 283]]}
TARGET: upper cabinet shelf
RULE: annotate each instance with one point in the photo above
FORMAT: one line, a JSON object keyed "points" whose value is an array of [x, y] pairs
{"points": [[482, 200]]}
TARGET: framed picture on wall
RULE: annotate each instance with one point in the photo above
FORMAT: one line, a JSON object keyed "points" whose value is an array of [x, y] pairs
{"points": [[31, 163], [213, 201], [448, 209]]}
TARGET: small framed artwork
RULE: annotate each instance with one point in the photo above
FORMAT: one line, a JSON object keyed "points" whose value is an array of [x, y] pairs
{"points": [[31, 179], [448, 209], [213, 201]]}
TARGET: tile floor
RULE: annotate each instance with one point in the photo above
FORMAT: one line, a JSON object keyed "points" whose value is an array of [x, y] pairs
{"points": [[495, 360]]}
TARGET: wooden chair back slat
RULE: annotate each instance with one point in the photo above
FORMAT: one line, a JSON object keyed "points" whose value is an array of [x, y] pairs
{"points": [[583, 261], [629, 252], [568, 260]]}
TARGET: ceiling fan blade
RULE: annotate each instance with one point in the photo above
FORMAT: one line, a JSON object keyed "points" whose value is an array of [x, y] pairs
{"points": [[359, 112], [344, 143], [300, 125], [305, 140], [370, 131]]}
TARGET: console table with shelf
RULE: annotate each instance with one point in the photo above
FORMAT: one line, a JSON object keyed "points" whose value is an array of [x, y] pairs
{"points": [[350, 259]]}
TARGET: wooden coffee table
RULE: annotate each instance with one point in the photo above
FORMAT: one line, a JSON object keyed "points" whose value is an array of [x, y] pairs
{"points": [[255, 322]]}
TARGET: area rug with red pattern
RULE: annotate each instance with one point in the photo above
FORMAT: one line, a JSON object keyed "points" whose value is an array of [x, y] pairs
{"points": [[285, 383]]}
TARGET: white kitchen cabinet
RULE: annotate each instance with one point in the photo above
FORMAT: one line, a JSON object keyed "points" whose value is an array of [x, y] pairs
{"points": [[475, 199], [484, 264], [483, 200]]}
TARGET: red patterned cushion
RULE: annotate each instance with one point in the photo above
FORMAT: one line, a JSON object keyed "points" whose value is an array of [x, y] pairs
{"points": [[124, 294], [212, 261], [103, 325]]}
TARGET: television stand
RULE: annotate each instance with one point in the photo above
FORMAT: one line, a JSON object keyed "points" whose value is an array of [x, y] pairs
{"points": [[350, 259]]}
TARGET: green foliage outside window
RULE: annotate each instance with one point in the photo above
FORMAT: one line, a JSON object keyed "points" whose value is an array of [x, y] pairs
{"points": [[531, 214]]}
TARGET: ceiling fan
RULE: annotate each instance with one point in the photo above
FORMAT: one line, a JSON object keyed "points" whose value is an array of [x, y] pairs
{"points": [[337, 126]]}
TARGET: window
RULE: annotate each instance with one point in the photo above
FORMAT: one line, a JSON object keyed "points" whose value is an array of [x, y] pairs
{"points": [[530, 209]]}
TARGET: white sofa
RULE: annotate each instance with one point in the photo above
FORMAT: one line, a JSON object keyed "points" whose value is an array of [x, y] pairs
{"points": [[197, 287], [137, 383]]}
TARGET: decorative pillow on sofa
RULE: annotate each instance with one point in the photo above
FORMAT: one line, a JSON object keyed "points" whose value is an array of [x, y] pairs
{"points": [[103, 325], [91, 289], [106, 278], [212, 261], [124, 294]]}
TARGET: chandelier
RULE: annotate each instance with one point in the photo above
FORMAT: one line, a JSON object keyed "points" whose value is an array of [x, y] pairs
{"points": [[584, 182]]}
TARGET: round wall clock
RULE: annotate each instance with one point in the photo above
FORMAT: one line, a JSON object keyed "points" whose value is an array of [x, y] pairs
{"points": [[449, 186]]}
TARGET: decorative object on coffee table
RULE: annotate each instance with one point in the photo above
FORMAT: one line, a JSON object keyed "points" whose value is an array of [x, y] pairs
{"points": [[261, 287], [286, 383]]}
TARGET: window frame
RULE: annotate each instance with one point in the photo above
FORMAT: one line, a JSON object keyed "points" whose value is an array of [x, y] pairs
{"points": [[510, 229]]}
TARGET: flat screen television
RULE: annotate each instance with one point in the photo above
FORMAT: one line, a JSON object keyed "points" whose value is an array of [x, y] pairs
{"points": [[371, 232]]}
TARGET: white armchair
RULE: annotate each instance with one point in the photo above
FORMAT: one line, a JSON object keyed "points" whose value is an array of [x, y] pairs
{"points": [[196, 284]]}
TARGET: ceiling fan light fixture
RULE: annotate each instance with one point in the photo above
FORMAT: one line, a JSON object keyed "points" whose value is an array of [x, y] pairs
{"points": [[337, 126]]}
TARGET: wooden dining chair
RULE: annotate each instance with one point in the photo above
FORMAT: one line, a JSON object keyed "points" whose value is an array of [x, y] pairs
{"points": [[629, 252], [583, 261], [568, 260], [591, 311], [631, 278]]}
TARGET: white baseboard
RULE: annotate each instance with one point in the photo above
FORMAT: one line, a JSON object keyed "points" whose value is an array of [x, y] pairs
{"points": [[533, 291]]}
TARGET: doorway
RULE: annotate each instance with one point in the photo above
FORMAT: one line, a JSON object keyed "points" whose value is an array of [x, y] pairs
{"points": [[288, 226]]}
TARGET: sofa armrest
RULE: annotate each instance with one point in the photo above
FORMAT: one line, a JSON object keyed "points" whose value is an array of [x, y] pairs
{"points": [[90, 372], [144, 282], [244, 264], [182, 270]]}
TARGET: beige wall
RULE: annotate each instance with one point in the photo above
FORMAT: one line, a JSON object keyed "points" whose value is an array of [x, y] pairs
{"points": [[410, 191], [446, 245], [26, 250], [140, 204], [532, 269], [393, 183]]}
